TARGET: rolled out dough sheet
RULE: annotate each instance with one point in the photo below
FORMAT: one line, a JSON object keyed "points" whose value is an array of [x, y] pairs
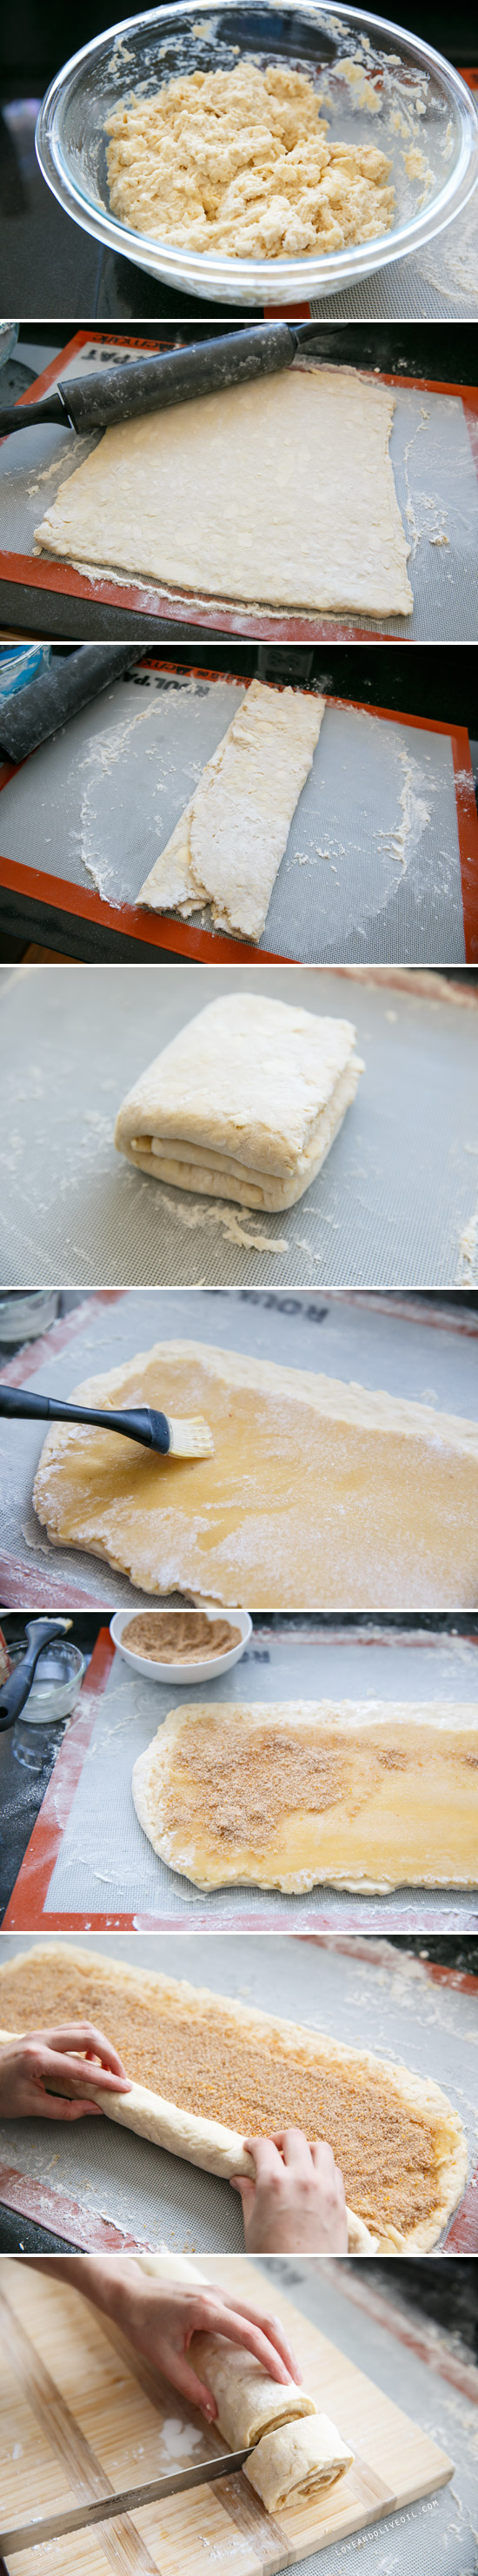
{"points": [[227, 846], [244, 1103], [397, 2139], [317, 1496], [360, 1795], [280, 491]]}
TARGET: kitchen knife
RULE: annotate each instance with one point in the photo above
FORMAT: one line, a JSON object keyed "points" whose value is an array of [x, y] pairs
{"points": [[79, 2517]]}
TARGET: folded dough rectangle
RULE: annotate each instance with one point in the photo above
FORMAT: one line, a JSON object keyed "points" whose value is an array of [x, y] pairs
{"points": [[318, 1495], [280, 491], [227, 846], [363, 1795], [398, 2141], [244, 1103]]}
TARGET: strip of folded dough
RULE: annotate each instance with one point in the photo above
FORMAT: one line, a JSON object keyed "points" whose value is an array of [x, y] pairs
{"points": [[278, 491], [364, 1795], [318, 1495], [244, 1103], [289, 2465], [199, 2141], [228, 844], [393, 2130]]}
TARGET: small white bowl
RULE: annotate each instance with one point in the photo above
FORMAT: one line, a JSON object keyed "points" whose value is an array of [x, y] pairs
{"points": [[177, 1674]]}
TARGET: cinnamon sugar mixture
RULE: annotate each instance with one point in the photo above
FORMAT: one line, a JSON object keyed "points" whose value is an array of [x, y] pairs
{"points": [[179, 1637], [237, 1787], [198, 2058]]}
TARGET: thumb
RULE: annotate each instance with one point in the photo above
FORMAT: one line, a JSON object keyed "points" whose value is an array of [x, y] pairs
{"points": [[185, 2380], [246, 2189]]}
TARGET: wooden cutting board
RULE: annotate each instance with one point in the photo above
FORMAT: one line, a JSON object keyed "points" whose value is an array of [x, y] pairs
{"points": [[81, 2415]]}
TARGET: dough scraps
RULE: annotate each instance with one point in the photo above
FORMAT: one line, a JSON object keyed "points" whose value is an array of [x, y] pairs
{"points": [[244, 1103], [364, 1795], [238, 161], [318, 1495], [228, 844], [280, 491], [289, 2465], [217, 2063]]}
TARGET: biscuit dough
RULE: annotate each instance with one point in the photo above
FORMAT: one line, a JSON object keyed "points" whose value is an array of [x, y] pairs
{"points": [[318, 1495], [289, 2465], [280, 492], [239, 161], [244, 1103], [227, 846], [399, 2143], [362, 1795]]}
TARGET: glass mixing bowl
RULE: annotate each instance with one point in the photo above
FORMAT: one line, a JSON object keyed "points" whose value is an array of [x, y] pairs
{"points": [[423, 104]]}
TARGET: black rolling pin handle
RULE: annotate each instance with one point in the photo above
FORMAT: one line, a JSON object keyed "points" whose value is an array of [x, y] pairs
{"points": [[25, 415], [150, 1428], [61, 691], [178, 375]]}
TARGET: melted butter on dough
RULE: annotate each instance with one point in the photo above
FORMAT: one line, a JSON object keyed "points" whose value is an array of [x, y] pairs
{"points": [[239, 161]]}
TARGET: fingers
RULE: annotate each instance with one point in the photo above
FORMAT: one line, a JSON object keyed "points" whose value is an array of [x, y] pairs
{"points": [[216, 2318], [267, 2159], [324, 2164], [82, 2038], [183, 2378], [270, 2325], [55, 2107], [295, 2151]]}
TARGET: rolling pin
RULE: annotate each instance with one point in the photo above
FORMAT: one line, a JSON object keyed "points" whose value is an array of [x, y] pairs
{"points": [[86, 403], [46, 703]]}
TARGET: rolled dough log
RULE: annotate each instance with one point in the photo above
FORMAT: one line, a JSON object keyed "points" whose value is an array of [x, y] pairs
{"points": [[317, 1495], [244, 1103], [199, 2141], [280, 491], [290, 2464], [227, 846]]}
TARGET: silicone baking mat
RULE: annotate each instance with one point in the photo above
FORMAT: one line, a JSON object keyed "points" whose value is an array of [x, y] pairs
{"points": [[381, 861], [433, 450], [427, 1352], [420, 1351], [393, 1203], [88, 1861], [158, 2197]]}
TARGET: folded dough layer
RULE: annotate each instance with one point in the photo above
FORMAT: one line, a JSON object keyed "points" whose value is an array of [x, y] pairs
{"points": [[287, 2466], [364, 1795], [227, 846], [317, 1496], [279, 491], [244, 1103], [397, 2139]]}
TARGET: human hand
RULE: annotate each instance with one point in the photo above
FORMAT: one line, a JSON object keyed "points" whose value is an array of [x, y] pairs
{"points": [[296, 2205], [46, 2058], [161, 2323]]}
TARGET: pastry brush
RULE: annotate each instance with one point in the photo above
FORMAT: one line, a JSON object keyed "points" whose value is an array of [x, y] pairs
{"points": [[153, 1430], [86, 403]]}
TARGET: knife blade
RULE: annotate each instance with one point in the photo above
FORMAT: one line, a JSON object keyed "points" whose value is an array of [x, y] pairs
{"points": [[79, 2517]]}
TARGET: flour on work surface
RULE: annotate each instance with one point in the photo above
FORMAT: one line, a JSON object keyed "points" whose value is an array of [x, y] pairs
{"points": [[240, 161]]}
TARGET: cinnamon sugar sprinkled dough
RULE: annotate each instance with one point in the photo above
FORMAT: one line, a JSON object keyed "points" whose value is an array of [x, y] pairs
{"points": [[360, 1794], [239, 161], [393, 2134], [183, 1638]]}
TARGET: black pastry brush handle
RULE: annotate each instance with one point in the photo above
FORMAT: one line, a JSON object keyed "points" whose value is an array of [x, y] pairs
{"points": [[151, 1429], [16, 1689]]}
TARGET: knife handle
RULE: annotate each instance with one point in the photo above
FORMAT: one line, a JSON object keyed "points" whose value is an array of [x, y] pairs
{"points": [[207, 367]]}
